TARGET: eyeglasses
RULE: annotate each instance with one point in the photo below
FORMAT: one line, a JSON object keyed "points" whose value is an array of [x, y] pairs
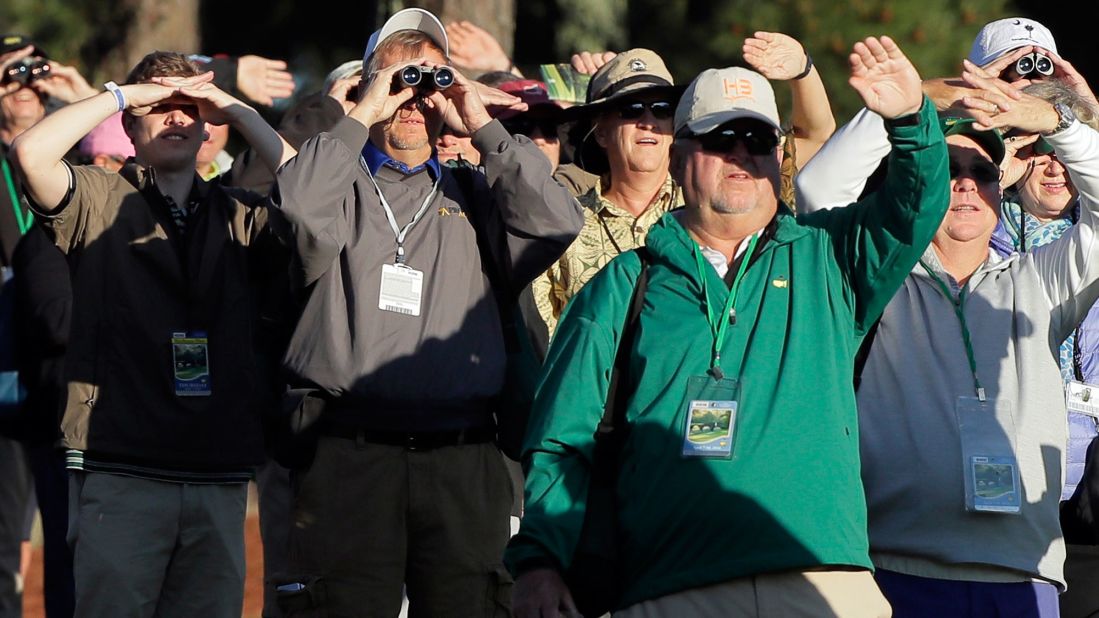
{"points": [[981, 172], [632, 110], [758, 140], [527, 126]]}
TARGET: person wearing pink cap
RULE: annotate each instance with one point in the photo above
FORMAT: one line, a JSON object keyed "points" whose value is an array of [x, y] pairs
{"points": [[107, 145]]}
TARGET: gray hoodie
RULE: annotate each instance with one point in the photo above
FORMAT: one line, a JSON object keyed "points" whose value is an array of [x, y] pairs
{"points": [[1018, 311]]}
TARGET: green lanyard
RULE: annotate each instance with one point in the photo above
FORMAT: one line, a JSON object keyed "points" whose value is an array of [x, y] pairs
{"points": [[720, 324], [966, 340], [24, 223]]}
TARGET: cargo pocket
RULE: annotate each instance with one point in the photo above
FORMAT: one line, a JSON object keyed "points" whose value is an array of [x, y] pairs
{"points": [[301, 597], [498, 595]]}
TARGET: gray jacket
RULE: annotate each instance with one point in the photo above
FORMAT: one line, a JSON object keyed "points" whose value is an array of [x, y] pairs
{"points": [[1018, 310], [398, 372]]}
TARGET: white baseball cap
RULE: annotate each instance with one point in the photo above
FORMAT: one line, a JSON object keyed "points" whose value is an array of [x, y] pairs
{"points": [[409, 19], [1003, 35], [717, 96]]}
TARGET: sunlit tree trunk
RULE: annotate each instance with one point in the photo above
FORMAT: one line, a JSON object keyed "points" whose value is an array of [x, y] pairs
{"points": [[496, 16], [140, 26]]}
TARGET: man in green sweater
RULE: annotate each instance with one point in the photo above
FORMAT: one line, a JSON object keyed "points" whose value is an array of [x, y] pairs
{"points": [[738, 488]]}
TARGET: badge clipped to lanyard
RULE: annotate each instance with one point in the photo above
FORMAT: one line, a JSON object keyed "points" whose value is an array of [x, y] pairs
{"points": [[709, 427], [402, 287], [986, 428], [1081, 397], [987, 431], [191, 364]]}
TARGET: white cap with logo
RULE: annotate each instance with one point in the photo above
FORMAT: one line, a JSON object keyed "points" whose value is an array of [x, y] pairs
{"points": [[717, 96], [1003, 35], [409, 19]]}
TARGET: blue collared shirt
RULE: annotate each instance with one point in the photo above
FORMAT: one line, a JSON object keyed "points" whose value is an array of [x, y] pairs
{"points": [[375, 159]]}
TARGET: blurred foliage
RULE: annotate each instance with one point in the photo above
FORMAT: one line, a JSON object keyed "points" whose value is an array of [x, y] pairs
{"points": [[696, 34], [61, 27], [588, 25], [689, 34]]}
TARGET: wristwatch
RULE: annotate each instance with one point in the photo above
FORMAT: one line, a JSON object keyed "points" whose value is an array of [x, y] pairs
{"points": [[1065, 118]]}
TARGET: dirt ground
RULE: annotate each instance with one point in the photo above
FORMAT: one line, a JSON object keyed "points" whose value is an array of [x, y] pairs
{"points": [[253, 585]]}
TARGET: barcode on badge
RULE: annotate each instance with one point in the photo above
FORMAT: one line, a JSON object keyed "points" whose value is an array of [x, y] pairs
{"points": [[397, 309]]}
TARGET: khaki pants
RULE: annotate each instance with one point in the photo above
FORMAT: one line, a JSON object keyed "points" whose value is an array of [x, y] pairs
{"points": [[808, 594]]}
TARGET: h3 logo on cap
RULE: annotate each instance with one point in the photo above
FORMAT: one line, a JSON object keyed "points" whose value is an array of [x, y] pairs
{"points": [[738, 89]]}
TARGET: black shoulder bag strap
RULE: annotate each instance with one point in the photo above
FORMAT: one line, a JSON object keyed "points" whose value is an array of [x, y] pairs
{"points": [[593, 576], [864, 352]]}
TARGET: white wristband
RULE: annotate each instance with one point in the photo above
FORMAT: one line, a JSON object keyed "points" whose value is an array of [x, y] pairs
{"points": [[118, 96]]}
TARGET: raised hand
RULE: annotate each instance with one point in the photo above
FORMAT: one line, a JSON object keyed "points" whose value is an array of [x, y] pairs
{"points": [[885, 79], [587, 63], [464, 104], [344, 91], [775, 55], [1070, 77], [996, 104], [142, 98], [215, 106], [1014, 166], [64, 83], [997, 67], [474, 48], [380, 102], [8, 59], [263, 80]]}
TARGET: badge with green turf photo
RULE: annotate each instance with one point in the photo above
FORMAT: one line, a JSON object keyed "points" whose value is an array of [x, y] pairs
{"points": [[191, 364], [709, 430]]}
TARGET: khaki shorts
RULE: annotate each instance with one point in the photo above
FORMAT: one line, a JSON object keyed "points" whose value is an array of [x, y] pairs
{"points": [[846, 594]]}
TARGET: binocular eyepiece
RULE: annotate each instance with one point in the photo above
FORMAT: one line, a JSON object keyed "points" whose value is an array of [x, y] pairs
{"points": [[27, 70], [1034, 63], [425, 78]]}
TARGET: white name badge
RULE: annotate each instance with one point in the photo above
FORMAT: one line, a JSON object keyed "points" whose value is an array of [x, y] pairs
{"points": [[1082, 398], [402, 289]]}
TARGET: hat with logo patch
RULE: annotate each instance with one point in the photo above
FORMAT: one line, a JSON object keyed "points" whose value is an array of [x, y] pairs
{"points": [[1003, 35], [632, 73], [717, 96]]}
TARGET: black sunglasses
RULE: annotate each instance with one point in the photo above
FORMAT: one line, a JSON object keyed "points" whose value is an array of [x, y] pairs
{"points": [[980, 172], [526, 126], [632, 110], [758, 140]]}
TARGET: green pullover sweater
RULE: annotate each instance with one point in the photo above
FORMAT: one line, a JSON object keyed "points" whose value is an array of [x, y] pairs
{"points": [[790, 496]]}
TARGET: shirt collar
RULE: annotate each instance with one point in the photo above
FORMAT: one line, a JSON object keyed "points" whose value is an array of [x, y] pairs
{"points": [[665, 196], [375, 159]]}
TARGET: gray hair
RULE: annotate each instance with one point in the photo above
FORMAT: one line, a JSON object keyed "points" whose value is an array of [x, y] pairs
{"points": [[1055, 91]]}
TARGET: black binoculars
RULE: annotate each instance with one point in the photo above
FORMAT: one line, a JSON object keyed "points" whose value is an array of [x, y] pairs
{"points": [[27, 70], [425, 78], [1034, 63]]}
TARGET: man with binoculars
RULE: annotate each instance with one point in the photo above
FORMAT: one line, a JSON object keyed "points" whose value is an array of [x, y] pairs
{"points": [[405, 263]]}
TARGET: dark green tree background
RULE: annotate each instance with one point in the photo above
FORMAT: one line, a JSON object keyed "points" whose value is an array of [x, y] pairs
{"points": [[690, 34]]}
